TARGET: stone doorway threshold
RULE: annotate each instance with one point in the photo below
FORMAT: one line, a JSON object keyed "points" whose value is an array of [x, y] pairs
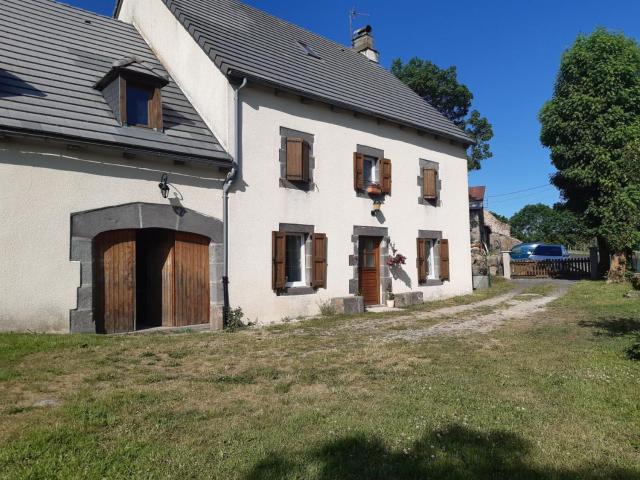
{"points": [[382, 309], [190, 328]]}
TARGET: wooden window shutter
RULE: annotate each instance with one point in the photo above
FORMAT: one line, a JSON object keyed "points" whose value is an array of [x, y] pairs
{"points": [[295, 159], [430, 183], [385, 176], [278, 276], [155, 110], [444, 259], [319, 254], [358, 171], [305, 161], [422, 260]]}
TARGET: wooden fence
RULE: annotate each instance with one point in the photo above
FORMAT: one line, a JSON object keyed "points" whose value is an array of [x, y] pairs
{"points": [[579, 267]]}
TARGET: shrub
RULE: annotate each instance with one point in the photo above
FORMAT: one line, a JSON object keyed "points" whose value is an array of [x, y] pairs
{"points": [[234, 321], [327, 308]]}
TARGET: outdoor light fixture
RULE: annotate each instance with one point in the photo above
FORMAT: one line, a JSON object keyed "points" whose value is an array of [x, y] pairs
{"points": [[376, 207], [164, 188]]}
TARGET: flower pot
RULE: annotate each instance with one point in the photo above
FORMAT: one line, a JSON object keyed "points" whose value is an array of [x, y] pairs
{"points": [[373, 189], [391, 303]]}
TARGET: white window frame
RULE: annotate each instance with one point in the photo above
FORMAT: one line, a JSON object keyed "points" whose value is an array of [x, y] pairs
{"points": [[303, 260]]}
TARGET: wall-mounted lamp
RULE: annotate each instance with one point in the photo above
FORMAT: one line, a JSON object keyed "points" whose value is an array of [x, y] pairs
{"points": [[163, 186], [376, 207]]}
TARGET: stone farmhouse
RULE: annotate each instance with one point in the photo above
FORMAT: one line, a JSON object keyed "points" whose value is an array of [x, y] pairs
{"points": [[188, 155]]}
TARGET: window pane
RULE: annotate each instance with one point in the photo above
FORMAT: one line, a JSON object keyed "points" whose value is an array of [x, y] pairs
{"points": [[429, 258], [370, 245], [369, 260], [368, 171], [138, 105], [548, 251], [293, 260], [435, 259]]}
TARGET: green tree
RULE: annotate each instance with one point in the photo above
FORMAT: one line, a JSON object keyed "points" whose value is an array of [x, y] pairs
{"points": [[542, 223], [440, 87], [592, 128]]}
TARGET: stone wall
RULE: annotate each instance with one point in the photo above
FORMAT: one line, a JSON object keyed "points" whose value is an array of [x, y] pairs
{"points": [[500, 238], [496, 226]]}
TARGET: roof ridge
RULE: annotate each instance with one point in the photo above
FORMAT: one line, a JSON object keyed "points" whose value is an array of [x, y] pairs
{"points": [[253, 43]]}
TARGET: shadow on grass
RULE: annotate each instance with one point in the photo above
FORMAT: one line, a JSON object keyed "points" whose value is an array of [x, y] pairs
{"points": [[456, 452], [614, 327], [618, 327]]}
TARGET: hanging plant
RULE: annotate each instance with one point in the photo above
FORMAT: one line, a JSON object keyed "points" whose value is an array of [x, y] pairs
{"points": [[396, 258]]}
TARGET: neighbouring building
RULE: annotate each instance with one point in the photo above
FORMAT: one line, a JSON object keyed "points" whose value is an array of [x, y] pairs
{"points": [[485, 228], [489, 236], [478, 229], [147, 158]]}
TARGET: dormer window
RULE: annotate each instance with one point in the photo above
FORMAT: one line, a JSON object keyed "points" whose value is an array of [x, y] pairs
{"points": [[139, 103], [133, 91]]}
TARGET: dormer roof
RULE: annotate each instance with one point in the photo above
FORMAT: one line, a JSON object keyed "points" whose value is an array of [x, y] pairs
{"points": [[135, 68]]}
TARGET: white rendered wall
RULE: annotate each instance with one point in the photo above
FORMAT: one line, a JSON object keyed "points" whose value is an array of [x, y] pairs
{"points": [[40, 187], [198, 77], [260, 204]]}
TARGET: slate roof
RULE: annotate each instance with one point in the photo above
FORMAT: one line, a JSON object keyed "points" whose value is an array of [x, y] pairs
{"points": [[51, 56], [266, 49]]}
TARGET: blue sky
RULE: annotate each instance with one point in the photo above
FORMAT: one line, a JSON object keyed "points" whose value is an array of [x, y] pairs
{"points": [[507, 52]]}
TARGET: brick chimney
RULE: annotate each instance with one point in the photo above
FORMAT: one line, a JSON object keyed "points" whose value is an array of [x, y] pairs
{"points": [[363, 42]]}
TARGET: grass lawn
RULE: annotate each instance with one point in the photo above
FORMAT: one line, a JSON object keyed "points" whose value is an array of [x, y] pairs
{"points": [[554, 397]]}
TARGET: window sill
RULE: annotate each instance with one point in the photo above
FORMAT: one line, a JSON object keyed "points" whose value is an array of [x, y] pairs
{"points": [[431, 283], [434, 202], [297, 185], [290, 291], [365, 194]]}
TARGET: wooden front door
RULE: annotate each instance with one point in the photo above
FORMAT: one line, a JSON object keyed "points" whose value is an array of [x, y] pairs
{"points": [[191, 279], [115, 281], [369, 269]]}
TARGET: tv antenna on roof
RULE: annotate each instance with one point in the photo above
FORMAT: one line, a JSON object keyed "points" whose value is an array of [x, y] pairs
{"points": [[353, 13]]}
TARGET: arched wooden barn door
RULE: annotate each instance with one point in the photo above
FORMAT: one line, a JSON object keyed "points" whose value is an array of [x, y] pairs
{"points": [[149, 278]]}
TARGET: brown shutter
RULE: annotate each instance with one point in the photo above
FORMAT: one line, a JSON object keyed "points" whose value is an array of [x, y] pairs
{"points": [[358, 171], [444, 259], [385, 175], [278, 276], [429, 183], [422, 260], [155, 110], [305, 161], [319, 268], [122, 100], [295, 154]]}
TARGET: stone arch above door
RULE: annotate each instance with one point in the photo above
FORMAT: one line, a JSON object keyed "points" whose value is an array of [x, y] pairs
{"points": [[86, 225]]}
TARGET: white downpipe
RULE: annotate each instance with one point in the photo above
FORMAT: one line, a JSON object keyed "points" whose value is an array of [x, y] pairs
{"points": [[228, 182]]}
